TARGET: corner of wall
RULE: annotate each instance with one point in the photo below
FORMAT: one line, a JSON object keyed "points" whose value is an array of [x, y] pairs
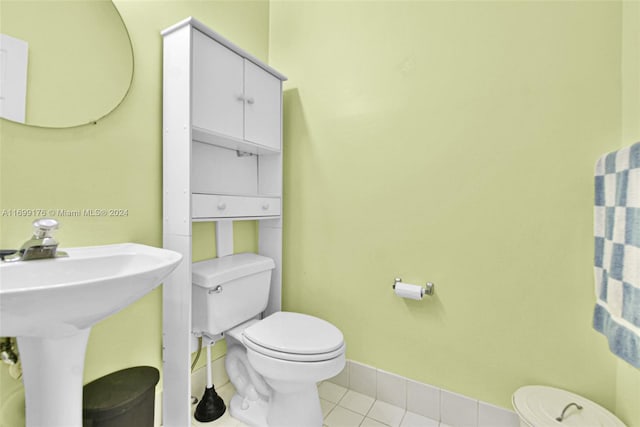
{"points": [[628, 377]]}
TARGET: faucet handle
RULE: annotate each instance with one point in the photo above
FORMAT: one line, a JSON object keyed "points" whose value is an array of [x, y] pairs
{"points": [[44, 227]]}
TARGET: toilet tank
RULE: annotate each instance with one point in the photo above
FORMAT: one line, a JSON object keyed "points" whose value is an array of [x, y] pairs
{"points": [[229, 290]]}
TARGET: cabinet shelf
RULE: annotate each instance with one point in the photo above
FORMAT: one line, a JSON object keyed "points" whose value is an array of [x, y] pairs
{"points": [[237, 194], [225, 141], [235, 218]]}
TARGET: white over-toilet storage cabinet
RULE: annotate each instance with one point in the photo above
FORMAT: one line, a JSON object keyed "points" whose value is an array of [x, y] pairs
{"points": [[222, 161]]}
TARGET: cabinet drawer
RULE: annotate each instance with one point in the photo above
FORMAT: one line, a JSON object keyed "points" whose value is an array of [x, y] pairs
{"points": [[217, 206]]}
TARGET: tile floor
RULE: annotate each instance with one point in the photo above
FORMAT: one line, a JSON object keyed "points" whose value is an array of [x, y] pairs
{"points": [[341, 407]]}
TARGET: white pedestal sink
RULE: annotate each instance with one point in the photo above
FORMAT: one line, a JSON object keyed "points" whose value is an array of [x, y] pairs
{"points": [[50, 306]]}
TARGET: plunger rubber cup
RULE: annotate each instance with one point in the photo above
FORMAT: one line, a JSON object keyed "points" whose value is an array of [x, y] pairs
{"points": [[211, 406]]}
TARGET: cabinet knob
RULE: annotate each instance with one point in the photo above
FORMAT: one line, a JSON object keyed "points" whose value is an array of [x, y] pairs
{"points": [[240, 98], [250, 101], [222, 206], [265, 206]]}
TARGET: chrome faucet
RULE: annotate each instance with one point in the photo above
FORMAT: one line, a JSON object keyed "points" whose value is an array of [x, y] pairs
{"points": [[41, 245]]}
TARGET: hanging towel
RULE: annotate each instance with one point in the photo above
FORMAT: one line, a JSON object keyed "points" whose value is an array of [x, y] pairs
{"points": [[617, 251]]}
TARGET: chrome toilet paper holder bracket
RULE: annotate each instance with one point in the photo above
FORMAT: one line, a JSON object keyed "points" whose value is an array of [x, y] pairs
{"points": [[428, 289]]}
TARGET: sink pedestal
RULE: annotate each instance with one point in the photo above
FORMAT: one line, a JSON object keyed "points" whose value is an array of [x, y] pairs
{"points": [[50, 305], [52, 369]]}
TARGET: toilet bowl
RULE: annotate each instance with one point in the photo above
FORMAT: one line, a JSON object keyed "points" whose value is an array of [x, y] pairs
{"points": [[274, 363], [290, 353]]}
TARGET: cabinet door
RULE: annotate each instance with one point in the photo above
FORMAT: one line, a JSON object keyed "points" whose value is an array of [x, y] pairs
{"points": [[262, 110], [217, 87]]}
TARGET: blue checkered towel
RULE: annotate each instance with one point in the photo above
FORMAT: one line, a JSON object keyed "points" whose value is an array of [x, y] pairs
{"points": [[617, 251]]}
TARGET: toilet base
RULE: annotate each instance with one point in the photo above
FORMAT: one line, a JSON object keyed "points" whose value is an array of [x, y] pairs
{"points": [[301, 408], [294, 405], [252, 413]]}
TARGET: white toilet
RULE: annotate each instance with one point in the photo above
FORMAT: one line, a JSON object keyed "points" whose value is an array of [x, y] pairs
{"points": [[273, 363]]}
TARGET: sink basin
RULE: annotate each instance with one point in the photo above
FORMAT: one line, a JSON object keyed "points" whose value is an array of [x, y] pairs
{"points": [[50, 306], [61, 296]]}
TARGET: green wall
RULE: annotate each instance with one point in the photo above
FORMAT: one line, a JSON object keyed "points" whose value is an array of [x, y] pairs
{"points": [[451, 142], [116, 164], [628, 377], [445, 141]]}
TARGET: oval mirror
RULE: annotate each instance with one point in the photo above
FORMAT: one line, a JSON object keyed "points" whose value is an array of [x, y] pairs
{"points": [[80, 59]]}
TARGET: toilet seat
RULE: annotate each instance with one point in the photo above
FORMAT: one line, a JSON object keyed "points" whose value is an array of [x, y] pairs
{"points": [[295, 337], [294, 357]]}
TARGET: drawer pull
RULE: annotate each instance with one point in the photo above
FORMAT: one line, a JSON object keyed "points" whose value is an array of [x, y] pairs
{"points": [[265, 206], [222, 206]]}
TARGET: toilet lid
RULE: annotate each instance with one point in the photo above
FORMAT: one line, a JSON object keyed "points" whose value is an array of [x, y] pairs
{"points": [[295, 336], [540, 406]]}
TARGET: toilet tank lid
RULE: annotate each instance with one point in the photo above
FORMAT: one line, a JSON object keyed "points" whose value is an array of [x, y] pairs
{"points": [[214, 272], [540, 406]]}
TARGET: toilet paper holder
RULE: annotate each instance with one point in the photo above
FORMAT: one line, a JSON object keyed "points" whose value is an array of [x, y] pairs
{"points": [[428, 289]]}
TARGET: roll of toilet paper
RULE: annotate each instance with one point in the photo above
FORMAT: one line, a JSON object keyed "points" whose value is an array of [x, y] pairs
{"points": [[406, 290]]}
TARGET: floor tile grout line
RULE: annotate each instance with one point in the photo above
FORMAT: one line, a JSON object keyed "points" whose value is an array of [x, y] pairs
{"points": [[352, 410], [346, 390], [324, 418], [403, 416]]}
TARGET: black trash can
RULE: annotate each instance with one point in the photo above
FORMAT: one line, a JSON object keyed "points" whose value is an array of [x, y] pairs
{"points": [[124, 398]]}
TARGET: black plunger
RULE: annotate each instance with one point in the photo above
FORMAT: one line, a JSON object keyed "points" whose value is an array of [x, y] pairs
{"points": [[211, 406]]}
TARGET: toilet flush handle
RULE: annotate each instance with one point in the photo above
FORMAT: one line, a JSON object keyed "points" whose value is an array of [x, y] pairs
{"points": [[215, 290], [561, 417]]}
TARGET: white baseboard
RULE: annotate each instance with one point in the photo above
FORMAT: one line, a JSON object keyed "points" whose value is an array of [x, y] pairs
{"points": [[423, 399]]}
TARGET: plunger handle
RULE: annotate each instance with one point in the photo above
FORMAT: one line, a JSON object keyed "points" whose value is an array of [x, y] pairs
{"points": [[209, 380]]}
